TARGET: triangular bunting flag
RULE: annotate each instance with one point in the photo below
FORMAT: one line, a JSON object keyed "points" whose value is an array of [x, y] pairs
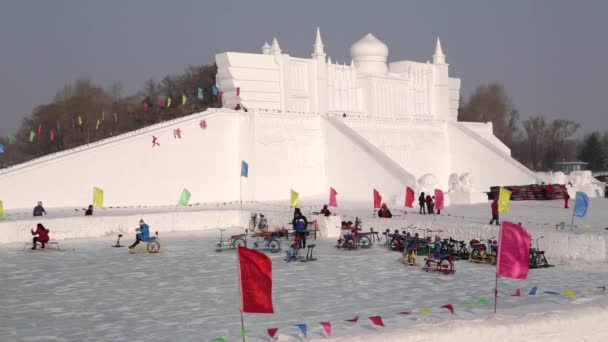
{"points": [[426, 310], [551, 293], [377, 320], [482, 301], [326, 327], [353, 320], [405, 313], [271, 331], [450, 307], [245, 332], [516, 294], [303, 329], [532, 291], [218, 339], [468, 305], [570, 293]]}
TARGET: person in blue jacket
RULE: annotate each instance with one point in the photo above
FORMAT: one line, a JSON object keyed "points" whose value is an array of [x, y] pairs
{"points": [[143, 235], [300, 224]]}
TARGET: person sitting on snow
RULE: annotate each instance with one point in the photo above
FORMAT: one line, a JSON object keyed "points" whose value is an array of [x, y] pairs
{"points": [[325, 211], [89, 211], [384, 212], [143, 235], [43, 235], [39, 209]]}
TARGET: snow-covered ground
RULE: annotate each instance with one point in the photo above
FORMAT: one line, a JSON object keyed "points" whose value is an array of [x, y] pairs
{"points": [[92, 292]]}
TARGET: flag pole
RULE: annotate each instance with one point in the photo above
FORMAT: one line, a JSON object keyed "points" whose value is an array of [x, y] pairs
{"points": [[238, 263], [242, 326], [241, 191], [495, 292], [572, 223]]}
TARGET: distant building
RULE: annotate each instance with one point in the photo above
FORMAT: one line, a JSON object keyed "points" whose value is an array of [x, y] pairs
{"points": [[567, 167]]}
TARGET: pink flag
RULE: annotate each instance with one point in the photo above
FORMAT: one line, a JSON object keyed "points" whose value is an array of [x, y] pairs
{"points": [[238, 91], [517, 293], [513, 251], [438, 199], [272, 332], [327, 327], [333, 202], [377, 199]]}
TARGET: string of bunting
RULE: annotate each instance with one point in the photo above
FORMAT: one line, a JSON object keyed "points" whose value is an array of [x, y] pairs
{"points": [[378, 321]]}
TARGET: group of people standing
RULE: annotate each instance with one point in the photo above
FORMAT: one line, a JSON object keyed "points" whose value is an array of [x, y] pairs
{"points": [[427, 204]]}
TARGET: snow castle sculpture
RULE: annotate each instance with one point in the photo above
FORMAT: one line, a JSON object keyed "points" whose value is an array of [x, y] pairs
{"points": [[309, 124]]}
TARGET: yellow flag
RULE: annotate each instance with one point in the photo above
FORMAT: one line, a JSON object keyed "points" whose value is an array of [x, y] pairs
{"points": [[567, 292], [184, 99], [79, 120], [426, 310], [503, 200], [1, 209], [294, 198], [97, 197], [168, 102], [97, 126]]}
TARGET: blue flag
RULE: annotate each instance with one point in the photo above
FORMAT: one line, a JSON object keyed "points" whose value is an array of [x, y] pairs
{"points": [[216, 90], [244, 169], [303, 328], [73, 123], [58, 126], [200, 94], [1, 148], [581, 204], [533, 291]]}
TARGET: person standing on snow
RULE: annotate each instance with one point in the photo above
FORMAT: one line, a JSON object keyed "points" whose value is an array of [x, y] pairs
{"points": [[89, 211], [39, 210], [494, 206], [325, 211], [143, 235], [300, 223], [43, 236], [549, 191], [421, 203], [429, 204], [566, 198]]}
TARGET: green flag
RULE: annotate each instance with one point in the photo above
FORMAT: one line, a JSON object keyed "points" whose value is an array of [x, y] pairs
{"points": [[185, 198], [115, 117], [467, 304], [482, 301], [103, 116], [11, 140], [218, 339], [32, 136]]}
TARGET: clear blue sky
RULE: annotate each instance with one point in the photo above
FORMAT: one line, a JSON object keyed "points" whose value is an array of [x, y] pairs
{"points": [[550, 55]]}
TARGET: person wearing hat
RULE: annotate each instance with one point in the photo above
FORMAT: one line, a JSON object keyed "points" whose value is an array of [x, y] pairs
{"points": [[39, 210], [143, 235]]}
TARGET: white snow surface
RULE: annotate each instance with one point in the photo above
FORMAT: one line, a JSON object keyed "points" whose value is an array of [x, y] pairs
{"points": [[188, 292]]}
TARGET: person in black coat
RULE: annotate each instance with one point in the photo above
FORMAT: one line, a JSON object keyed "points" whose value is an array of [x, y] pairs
{"points": [[300, 224], [89, 211], [421, 201], [39, 210]]}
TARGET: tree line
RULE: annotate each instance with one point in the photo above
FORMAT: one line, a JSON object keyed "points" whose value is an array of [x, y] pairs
{"points": [[84, 112], [537, 142]]}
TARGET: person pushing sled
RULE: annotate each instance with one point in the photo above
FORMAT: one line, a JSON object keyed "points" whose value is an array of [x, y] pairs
{"points": [[152, 243]]}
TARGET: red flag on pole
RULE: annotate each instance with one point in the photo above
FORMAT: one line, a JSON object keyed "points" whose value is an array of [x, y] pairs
{"points": [[513, 251], [52, 134], [409, 197], [377, 199], [333, 202], [255, 274], [39, 129], [146, 106], [238, 91]]}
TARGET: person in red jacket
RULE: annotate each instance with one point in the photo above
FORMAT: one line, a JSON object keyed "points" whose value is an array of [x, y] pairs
{"points": [[549, 191], [494, 206], [43, 235], [429, 204], [384, 212], [566, 198]]}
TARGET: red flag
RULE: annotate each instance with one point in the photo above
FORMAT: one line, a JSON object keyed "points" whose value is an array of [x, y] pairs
{"points": [[377, 199], [272, 332], [377, 320], [409, 197], [513, 251], [438, 199], [405, 313], [333, 202], [353, 320], [517, 293], [52, 134], [450, 307], [39, 129], [146, 106], [238, 91], [327, 327], [255, 273]]}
